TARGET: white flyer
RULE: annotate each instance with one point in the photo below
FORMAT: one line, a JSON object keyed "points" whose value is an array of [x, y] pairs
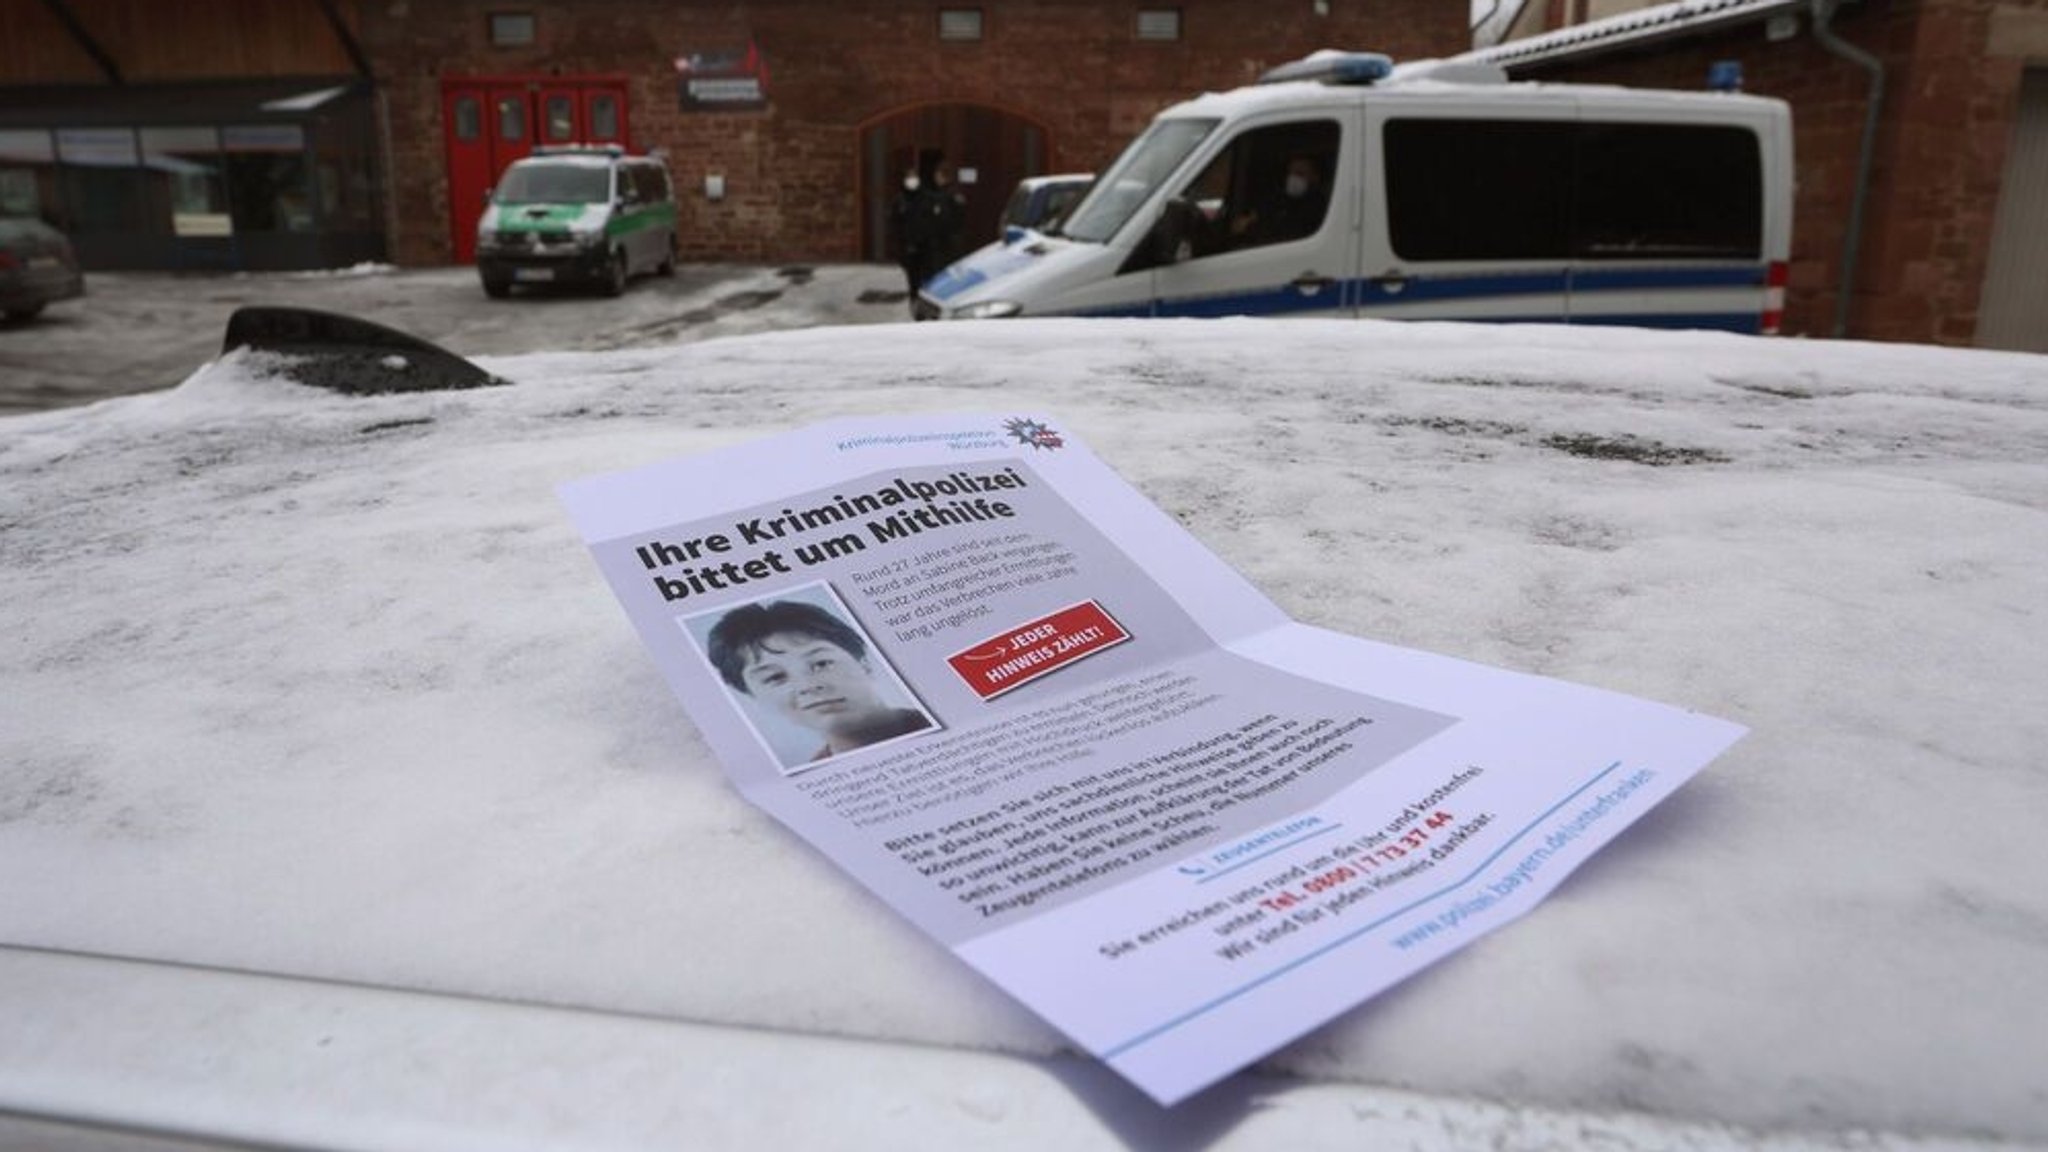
{"points": [[1017, 701]]}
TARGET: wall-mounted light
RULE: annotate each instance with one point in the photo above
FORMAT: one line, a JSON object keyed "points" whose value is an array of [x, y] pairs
{"points": [[714, 185], [1322, 7]]}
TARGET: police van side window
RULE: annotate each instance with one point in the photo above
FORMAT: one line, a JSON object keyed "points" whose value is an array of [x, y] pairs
{"points": [[1659, 191], [1271, 185], [1539, 190], [1479, 189]]}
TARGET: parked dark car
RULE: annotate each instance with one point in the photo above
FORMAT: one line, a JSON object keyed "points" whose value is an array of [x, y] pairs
{"points": [[37, 266], [1042, 201]]}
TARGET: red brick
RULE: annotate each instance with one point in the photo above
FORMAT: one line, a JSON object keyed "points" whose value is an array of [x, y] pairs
{"points": [[793, 171]]}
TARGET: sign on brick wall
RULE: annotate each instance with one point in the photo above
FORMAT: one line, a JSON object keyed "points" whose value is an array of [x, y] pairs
{"points": [[724, 81]]}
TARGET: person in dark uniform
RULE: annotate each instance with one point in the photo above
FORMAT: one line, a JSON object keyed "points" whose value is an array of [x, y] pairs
{"points": [[1296, 210], [927, 215]]}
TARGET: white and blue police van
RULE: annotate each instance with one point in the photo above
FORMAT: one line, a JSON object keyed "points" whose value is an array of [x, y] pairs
{"points": [[1343, 185]]}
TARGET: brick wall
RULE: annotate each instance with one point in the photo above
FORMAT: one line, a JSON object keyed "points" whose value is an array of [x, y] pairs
{"points": [[792, 171], [1949, 102], [1957, 97]]}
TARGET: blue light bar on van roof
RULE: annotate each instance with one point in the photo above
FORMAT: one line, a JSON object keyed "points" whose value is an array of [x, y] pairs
{"points": [[1333, 68]]}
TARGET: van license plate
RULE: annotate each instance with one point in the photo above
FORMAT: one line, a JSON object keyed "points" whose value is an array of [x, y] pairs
{"points": [[530, 274]]}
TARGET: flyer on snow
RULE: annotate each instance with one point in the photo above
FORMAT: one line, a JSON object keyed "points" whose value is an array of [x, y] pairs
{"points": [[1023, 706]]}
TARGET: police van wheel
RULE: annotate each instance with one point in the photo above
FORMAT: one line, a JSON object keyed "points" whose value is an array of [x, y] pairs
{"points": [[497, 289], [615, 274], [668, 257]]}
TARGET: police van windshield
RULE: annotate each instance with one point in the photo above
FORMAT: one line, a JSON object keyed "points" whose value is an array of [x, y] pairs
{"points": [[555, 184], [1137, 173]]}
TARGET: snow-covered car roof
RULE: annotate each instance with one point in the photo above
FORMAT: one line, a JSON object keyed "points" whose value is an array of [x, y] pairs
{"points": [[340, 806]]}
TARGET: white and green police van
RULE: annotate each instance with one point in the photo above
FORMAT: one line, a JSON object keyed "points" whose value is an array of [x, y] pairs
{"points": [[1342, 185], [577, 215]]}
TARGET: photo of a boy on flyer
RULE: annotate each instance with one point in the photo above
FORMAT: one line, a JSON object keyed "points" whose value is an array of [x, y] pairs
{"points": [[807, 666]]}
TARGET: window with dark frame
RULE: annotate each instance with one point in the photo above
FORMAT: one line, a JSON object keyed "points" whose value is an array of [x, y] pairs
{"points": [[98, 172], [187, 190], [1158, 24], [647, 184], [268, 186], [469, 119], [512, 29], [960, 24], [558, 118], [604, 118], [511, 118], [1479, 189], [1669, 191], [28, 174], [1591, 191], [1240, 197]]}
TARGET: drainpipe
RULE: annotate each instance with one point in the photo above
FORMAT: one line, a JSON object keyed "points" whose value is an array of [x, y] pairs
{"points": [[1823, 12]]}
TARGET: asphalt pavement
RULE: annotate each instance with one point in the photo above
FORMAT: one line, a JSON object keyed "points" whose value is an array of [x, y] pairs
{"points": [[142, 331]]}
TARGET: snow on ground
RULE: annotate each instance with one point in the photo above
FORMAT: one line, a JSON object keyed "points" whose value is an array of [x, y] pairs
{"points": [[145, 331], [360, 268], [326, 687]]}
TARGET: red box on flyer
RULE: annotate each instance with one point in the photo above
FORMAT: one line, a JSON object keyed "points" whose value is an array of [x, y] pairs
{"points": [[1036, 648]]}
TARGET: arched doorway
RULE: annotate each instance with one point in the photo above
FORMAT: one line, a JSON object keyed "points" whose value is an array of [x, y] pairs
{"points": [[994, 147]]}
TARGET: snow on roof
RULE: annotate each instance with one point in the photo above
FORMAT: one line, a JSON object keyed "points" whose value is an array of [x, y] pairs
{"points": [[1631, 29], [305, 101]]}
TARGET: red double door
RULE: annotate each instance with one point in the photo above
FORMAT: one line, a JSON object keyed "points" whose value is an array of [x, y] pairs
{"points": [[491, 121]]}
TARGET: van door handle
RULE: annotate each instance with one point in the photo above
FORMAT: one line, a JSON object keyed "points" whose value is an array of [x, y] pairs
{"points": [[1309, 283], [1391, 281]]}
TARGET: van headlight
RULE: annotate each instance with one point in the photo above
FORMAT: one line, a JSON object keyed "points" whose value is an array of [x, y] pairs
{"points": [[989, 310]]}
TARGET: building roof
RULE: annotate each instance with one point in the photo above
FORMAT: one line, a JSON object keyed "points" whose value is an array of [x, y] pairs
{"points": [[268, 100], [1631, 30]]}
